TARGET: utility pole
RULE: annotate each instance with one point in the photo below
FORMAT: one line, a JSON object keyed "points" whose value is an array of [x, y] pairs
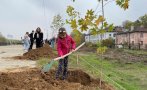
{"points": [[101, 40], [102, 12]]}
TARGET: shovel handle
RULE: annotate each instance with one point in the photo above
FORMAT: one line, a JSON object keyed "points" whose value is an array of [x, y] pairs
{"points": [[58, 58]]}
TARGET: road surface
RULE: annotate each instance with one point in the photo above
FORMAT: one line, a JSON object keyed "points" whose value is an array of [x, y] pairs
{"points": [[7, 64]]}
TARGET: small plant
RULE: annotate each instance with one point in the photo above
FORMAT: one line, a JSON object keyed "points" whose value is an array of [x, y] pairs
{"points": [[108, 42], [101, 50]]}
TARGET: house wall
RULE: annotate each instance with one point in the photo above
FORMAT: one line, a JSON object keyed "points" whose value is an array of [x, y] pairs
{"points": [[122, 38], [135, 39]]}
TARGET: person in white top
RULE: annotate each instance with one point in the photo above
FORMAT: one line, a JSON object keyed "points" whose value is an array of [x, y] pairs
{"points": [[26, 42]]}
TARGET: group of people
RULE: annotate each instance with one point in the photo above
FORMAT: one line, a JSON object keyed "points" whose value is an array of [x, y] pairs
{"points": [[29, 39], [65, 44]]}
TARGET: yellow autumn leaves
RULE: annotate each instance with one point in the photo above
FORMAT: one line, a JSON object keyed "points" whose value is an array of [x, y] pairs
{"points": [[123, 3], [101, 50], [100, 19], [77, 36], [89, 22]]}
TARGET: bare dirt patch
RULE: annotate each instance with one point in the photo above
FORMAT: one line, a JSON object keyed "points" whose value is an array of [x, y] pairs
{"points": [[34, 80], [87, 48], [122, 55], [35, 54]]}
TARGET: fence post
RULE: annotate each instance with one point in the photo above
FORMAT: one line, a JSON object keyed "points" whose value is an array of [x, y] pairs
{"points": [[77, 59]]}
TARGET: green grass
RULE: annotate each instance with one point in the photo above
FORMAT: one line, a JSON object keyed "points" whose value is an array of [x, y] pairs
{"points": [[43, 61], [130, 76]]}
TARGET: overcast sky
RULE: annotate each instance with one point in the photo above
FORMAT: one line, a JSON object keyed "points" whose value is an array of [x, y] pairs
{"points": [[20, 16]]}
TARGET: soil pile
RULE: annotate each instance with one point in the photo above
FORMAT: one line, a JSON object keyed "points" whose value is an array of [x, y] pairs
{"points": [[34, 80], [35, 54]]}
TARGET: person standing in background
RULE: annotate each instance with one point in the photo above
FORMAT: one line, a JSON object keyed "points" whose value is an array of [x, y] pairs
{"points": [[22, 41], [38, 37], [31, 35], [41, 38], [53, 42], [26, 42]]}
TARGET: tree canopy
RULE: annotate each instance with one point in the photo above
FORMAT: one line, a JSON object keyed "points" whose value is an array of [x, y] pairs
{"points": [[56, 24], [141, 21], [91, 21]]}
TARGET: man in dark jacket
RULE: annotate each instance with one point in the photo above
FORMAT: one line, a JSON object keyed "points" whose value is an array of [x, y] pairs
{"points": [[31, 39]]}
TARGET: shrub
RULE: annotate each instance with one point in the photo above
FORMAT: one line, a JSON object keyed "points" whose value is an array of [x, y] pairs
{"points": [[108, 43]]}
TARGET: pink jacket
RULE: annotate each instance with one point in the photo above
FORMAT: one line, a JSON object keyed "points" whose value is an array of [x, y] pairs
{"points": [[65, 45]]}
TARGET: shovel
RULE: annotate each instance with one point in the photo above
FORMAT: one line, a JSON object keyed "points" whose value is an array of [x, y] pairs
{"points": [[48, 66]]}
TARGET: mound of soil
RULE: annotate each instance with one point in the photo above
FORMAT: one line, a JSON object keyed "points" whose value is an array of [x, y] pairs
{"points": [[34, 80], [35, 54]]}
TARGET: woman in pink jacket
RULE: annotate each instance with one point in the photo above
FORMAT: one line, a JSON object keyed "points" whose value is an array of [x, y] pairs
{"points": [[65, 44]]}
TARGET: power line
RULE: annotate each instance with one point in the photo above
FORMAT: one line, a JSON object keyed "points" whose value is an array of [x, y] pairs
{"points": [[44, 8], [108, 78], [98, 4], [105, 5], [44, 12]]}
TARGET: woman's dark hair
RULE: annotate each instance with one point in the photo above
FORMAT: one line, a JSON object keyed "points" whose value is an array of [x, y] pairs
{"points": [[27, 33], [38, 29]]}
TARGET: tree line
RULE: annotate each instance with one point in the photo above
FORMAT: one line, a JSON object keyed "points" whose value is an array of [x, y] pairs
{"points": [[5, 41], [141, 21]]}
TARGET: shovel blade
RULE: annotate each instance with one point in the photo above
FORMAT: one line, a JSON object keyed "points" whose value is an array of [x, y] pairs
{"points": [[47, 67]]}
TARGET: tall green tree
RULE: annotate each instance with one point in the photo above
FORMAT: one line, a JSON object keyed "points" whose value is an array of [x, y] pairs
{"points": [[127, 24], [2, 38], [143, 20], [137, 23]]}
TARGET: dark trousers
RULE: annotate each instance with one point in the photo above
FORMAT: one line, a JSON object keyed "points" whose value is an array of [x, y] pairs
{"points": [[62, 68], [38, 43], [31, 45]]}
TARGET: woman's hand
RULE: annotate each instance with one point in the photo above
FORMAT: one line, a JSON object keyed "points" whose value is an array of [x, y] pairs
{"points": [[73, 50]]}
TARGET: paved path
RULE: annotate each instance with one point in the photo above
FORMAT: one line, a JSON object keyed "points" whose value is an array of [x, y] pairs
{"points": [[7, 64]]}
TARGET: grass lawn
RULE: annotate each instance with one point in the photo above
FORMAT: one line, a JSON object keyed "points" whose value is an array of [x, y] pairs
{"points": [[131, 76]]}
